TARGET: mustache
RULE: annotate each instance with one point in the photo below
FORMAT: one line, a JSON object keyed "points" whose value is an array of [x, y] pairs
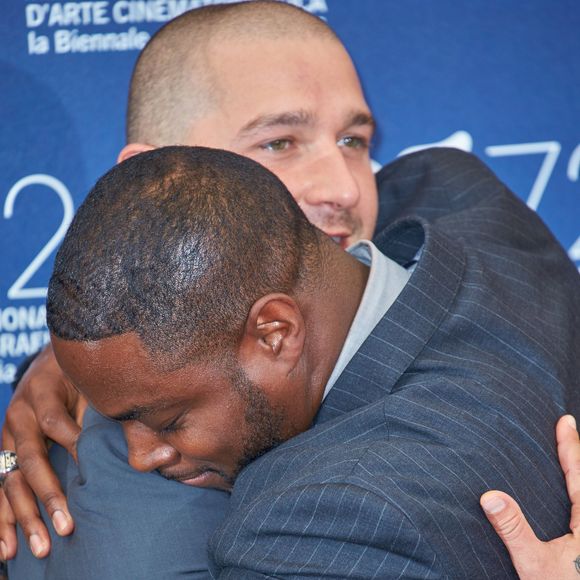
{"points": [[341, 219]]}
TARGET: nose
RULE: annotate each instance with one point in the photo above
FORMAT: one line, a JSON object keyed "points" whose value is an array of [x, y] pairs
{"points": [[331, 181], [147, 452]]}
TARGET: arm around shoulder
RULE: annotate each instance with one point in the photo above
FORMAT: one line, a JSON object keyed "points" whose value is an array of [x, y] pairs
{"points": [[44, 406], [322, 530]]}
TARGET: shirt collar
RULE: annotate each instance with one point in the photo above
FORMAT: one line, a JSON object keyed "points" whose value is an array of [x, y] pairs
{"points": [[385, 282]]}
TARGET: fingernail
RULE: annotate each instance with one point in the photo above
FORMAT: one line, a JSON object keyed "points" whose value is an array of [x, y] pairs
{"points": [[493, 505], [571, 421], [36, 545], [59, 521], [3, 550]]}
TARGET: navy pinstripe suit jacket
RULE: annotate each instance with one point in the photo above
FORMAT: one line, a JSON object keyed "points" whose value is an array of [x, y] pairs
{"points": [[456, 391]]}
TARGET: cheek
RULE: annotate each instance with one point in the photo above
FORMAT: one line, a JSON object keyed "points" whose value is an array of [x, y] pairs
{"points": [[369, 199], [370, 207], [215, 435]]}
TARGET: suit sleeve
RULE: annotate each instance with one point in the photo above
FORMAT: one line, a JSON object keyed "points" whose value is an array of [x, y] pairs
{"points": [[322, 531], [458, 192], [461, 196]]}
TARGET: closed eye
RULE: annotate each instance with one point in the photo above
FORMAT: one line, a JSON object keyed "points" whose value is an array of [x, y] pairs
{"points": [[171, 427]]}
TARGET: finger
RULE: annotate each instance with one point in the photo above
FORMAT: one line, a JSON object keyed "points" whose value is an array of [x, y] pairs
{"points": [[22, 434], [26, 512], [8, 539], [511, 526], [42, 404], [80, 410], [569, 456], [37, 478], [35, 467], [7, 439], [51, 418]]}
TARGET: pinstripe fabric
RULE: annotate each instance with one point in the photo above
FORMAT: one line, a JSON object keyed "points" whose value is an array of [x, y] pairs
{"points": [[455, 391]]}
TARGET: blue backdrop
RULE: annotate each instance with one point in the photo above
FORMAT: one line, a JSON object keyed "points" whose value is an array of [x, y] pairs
{"points": [[494, 77]]}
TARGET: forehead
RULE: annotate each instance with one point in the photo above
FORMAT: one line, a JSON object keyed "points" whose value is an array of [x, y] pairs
{"points": [[116, 375], [254, 78]]}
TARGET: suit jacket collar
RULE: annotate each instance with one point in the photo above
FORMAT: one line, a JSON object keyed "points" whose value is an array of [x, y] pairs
{"points": [[408, 325]]}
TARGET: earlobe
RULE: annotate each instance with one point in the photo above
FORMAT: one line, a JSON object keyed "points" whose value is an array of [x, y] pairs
{"points": [[132, 149]]}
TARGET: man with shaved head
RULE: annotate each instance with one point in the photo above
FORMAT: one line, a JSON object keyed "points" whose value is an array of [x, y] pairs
{"points": [[272, 83]]}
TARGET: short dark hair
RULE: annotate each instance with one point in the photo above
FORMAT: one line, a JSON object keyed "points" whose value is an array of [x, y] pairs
{"points": [[176, 244], [174, 84]]}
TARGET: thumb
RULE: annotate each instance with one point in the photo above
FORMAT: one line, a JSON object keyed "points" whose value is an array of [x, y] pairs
{"points": [[511, 526]]}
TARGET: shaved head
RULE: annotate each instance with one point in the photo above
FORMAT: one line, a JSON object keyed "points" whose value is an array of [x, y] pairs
{"points": [[271, 82], [174, 83]]}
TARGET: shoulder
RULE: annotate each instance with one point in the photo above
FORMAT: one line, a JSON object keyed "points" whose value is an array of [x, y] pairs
{"points": [[437, 183], [324, 529], [437, 165]]}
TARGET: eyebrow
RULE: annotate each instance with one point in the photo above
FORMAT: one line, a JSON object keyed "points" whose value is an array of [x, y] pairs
{"points": [[302, 118], [362, 119], [289, 118]]}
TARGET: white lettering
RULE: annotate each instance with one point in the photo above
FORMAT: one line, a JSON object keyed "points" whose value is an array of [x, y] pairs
{"points": [[22, 318], [100, 13], [70, 41], [7, 372], [7, 344], [18, 290], [311, 6], [574, 165], [23, 343], [67, 14], [317, 6], [35, 14], [458, 140], [551, 150], [56, 15], [121, 12], [38, 43], [136, 11]]}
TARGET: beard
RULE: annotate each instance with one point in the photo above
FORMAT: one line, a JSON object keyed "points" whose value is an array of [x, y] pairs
{"points": [[264, 423], [263, 429]]}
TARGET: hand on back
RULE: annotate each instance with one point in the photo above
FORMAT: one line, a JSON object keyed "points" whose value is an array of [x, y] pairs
{"points": [[532, 558]]}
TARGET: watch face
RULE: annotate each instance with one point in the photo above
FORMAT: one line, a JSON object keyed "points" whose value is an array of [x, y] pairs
{"points": [[7, 462]]}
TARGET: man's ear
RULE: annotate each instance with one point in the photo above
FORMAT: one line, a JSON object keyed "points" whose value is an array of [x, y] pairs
{"points": [[274, 333], [133, 149]]}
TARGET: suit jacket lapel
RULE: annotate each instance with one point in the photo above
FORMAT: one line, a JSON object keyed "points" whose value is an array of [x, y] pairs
{"points": [[404, 331]]}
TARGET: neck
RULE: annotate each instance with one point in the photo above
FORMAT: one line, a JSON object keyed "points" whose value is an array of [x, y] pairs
{"points": [[332, 311]]}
